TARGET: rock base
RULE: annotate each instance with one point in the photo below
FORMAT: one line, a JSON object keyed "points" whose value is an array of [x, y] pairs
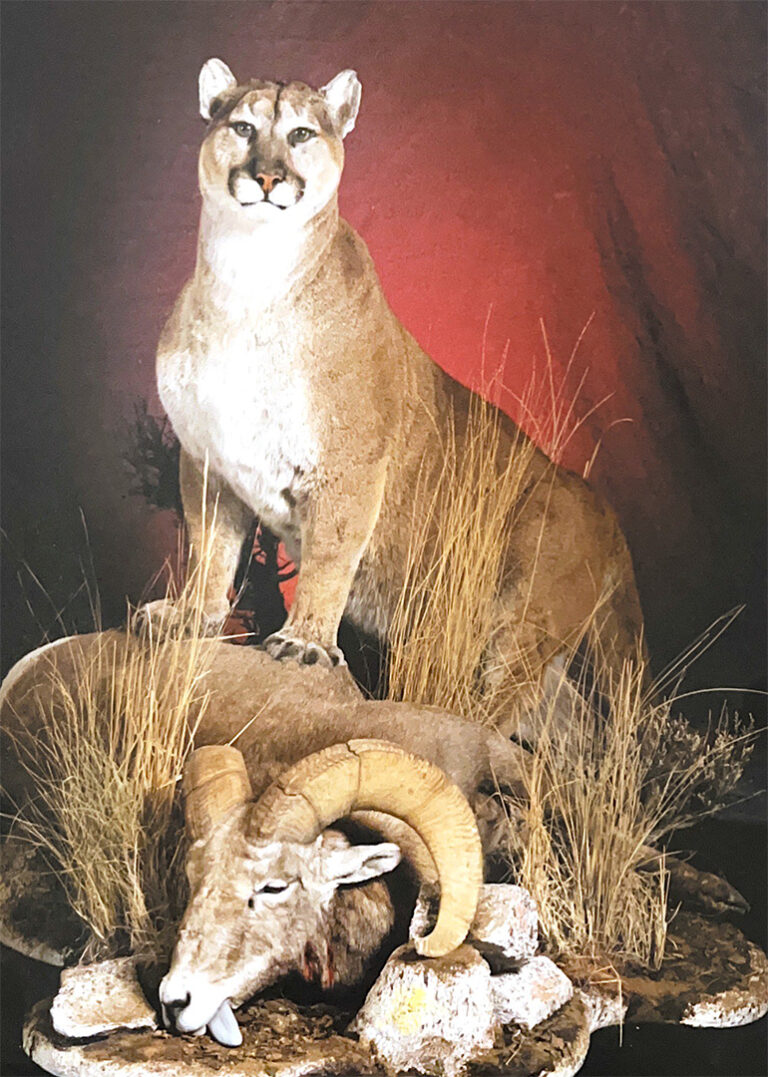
{"points": [[531, 994], [555, 1048], [712, 977], [281, 1039], [429, 1015], [99, 998]]}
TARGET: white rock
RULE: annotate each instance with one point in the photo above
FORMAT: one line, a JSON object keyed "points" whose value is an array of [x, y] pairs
{"points": [[506, 917], [429, 1015], [99, 998], [722, 1012], [532, 994], [604, 1007], [424, 913]]}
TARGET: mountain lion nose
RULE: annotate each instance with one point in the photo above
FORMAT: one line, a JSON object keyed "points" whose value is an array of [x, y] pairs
{"points": [[267, 181]]}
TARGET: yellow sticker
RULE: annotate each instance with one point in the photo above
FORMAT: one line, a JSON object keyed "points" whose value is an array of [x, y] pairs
{"points": [[408, 1009]]}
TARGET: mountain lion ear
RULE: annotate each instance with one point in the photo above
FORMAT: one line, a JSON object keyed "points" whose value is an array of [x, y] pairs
{"points": [[215, 79], [342, 96]]}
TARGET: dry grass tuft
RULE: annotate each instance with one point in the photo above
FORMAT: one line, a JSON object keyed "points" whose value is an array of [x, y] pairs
{"points": [[105, 763], [550, 408], [621, 775], [586, 824], [445, 611]]}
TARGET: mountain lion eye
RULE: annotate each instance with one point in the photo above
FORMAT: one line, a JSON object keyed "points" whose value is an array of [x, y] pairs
{"points": [[245, 130], [300, 134]]}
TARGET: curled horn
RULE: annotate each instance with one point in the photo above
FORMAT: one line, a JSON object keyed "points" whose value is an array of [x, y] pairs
{"points": [[214, 781], [374, 775]]}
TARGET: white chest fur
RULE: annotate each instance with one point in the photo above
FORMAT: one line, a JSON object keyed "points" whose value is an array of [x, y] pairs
{"points": [[234, 400], [230, 364]]}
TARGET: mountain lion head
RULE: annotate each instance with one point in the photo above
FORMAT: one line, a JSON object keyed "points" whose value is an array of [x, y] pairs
{"points": [[273, 151]]}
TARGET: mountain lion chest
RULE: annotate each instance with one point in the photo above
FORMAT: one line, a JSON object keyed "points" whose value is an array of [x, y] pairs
{"points": [[236, 397]]}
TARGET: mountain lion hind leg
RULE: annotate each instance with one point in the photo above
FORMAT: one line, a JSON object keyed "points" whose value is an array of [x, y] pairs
{"points": [[570, 587]]}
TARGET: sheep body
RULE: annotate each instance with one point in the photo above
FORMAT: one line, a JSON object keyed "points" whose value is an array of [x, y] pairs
{"points": [[276, 713]]}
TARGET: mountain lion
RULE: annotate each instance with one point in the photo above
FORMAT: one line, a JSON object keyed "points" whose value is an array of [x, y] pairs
{"points": [[283, 367]]}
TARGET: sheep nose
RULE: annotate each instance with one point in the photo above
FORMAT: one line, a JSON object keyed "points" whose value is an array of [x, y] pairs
{"points": [[267, 181], [176, 1005]]}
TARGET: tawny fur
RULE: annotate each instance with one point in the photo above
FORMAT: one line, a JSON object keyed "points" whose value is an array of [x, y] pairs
{"points": [[283, 367]]}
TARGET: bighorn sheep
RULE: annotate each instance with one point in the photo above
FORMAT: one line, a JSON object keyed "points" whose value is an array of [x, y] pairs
{"points": [[264, 876], [311, 730], [411, 789], [277, 712]]}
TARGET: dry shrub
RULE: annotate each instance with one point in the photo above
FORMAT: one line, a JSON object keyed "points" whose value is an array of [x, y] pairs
{"points": [[105, 763]]}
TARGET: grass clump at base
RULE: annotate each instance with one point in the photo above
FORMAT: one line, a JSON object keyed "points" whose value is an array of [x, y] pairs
{"points": [[619, 777], [104, 762]]}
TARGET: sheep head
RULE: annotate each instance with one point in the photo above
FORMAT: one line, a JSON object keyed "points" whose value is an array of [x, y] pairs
{"points": [[264, 875]]}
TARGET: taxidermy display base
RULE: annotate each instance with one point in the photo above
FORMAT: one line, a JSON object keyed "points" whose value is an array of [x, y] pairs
{"points": [[104, 1021], [712, 977]]}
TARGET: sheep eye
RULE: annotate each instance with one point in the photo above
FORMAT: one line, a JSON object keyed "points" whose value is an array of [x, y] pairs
{"points": [[274, 888], [245, 130], [271, 887], [301, 134]]}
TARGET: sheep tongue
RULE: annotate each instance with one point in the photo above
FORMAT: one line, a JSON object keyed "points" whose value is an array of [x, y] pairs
{"points": [[224, 1028]]}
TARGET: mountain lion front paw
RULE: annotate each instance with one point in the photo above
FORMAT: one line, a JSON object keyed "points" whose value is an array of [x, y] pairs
{"points": [[282, 645], [174, 620]]}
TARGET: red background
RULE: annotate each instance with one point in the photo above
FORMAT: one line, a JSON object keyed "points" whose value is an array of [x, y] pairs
{"points": [[513, 164]]}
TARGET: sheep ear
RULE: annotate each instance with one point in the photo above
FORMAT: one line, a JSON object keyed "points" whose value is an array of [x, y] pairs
{"points": [[215, 79], [342, 98], [356, 863]]}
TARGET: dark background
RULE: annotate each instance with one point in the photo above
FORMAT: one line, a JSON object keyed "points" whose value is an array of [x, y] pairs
{"points": [[513, 164]]}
